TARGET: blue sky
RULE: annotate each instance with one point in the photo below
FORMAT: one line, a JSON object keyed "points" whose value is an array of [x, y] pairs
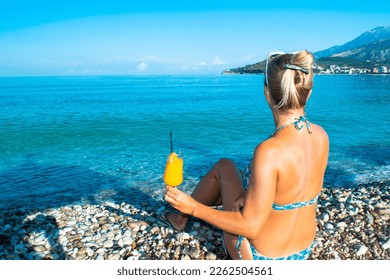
{"points": [[116, 37]]}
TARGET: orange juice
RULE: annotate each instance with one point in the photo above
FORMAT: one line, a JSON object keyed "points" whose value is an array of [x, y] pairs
{"points": [[173, 175]]}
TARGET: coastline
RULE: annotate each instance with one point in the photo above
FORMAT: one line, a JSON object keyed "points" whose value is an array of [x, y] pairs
{"points": [[352, 223]]}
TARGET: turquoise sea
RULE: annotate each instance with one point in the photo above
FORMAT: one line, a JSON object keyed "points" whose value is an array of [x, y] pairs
{"points": [[71, 139]]}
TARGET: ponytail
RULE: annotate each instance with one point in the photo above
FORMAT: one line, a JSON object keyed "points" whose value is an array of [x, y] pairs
{"points": [[290, 78]]}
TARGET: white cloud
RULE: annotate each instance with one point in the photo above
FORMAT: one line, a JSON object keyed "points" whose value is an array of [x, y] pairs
{"points": [[218, 61], [142, 67]]}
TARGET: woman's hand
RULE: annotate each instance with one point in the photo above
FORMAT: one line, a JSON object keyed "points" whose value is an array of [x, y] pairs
{"points": [[180, 200], [238, 204]]}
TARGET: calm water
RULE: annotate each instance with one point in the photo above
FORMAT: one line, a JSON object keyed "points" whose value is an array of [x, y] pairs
{"points": [[72, 139]]}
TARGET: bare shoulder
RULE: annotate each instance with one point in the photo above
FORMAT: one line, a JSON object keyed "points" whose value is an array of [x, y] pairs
{"points": [[266, 151], [320, 133]]}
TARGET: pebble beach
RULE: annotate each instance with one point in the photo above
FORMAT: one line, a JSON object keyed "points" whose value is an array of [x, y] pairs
{"points": [[352, 224]]}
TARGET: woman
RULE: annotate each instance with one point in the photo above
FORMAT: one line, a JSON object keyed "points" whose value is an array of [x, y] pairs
{"points": [[275, 217]]}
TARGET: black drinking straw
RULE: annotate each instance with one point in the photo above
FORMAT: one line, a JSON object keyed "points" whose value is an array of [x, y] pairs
{"points": [[170, 136]]}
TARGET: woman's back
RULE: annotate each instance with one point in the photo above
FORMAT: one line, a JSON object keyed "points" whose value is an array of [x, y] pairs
{"points": [[301, 161]]}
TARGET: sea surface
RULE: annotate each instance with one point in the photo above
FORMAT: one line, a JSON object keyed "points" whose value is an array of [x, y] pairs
{"points": [[89, 139]]}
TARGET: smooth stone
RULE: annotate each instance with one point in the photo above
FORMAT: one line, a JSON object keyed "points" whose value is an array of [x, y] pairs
{"points": [[182, 236], [67, 229], [81, 251], [40, 240], [317, 243], [39, 248], [137, 225], [329, 226], [91, 244], [127, 232], [384, 212], [324, 217], [370, 218], [362, 250], [194, 252], [154, 230], [101, 251], [99, 215], [90, 252], [100, 240], [99, 258], [135, 253], [108, 243], [176, 254], [336, 255], [86, 239], [118, 236], [143, 227], [114, 257], [211, 256], [341, 224], [196, 225], [386, 245], [39, 256], [357, 229]]}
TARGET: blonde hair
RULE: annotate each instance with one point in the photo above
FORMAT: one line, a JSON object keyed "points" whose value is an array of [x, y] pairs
{"points": [[290, 80]]}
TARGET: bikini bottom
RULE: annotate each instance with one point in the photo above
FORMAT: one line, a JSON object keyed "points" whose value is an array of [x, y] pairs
{"points": [[302, 255]]}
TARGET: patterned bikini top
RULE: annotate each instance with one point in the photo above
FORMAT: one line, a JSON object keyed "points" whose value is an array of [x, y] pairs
{"points": [[294, 205]]}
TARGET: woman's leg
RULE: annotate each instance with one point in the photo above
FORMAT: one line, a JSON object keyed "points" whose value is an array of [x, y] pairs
{"points": [[221, 185]]}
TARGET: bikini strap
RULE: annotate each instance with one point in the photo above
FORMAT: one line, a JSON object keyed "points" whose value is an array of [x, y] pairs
{"points": [[238, 245], [295, 205]]}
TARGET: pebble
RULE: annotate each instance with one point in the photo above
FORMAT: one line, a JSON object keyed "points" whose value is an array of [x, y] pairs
{"points": [[362, 250], [39, 248], [127, 240], [114, 257], [181, 237], [211, 256], [194, 253], [341, 225], [386, 245], [110, 231], [108, 243], [99, 257], [329, 226], [370, 218]]}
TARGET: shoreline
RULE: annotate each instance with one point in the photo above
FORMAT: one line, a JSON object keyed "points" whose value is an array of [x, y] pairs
{"points": [[352, 223]]}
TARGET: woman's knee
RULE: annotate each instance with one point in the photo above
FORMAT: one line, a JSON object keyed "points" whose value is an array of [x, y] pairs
{"points": [[226, 164]]}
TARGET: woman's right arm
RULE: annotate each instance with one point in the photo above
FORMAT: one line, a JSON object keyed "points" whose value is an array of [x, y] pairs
{"points": [[258, 202]]}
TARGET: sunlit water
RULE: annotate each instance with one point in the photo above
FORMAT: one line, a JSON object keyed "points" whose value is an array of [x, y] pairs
{"points": [[72, 139]]}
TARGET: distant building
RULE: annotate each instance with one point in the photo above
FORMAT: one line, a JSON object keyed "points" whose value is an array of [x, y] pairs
{"points": [[383, 70]]}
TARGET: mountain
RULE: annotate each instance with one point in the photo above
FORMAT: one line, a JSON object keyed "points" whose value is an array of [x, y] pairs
{"points": [[369, 50], [368, 37], [368, 56]]}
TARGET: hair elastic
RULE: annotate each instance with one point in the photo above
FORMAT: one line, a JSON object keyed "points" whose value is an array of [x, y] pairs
{"points": [[295, 67]]}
